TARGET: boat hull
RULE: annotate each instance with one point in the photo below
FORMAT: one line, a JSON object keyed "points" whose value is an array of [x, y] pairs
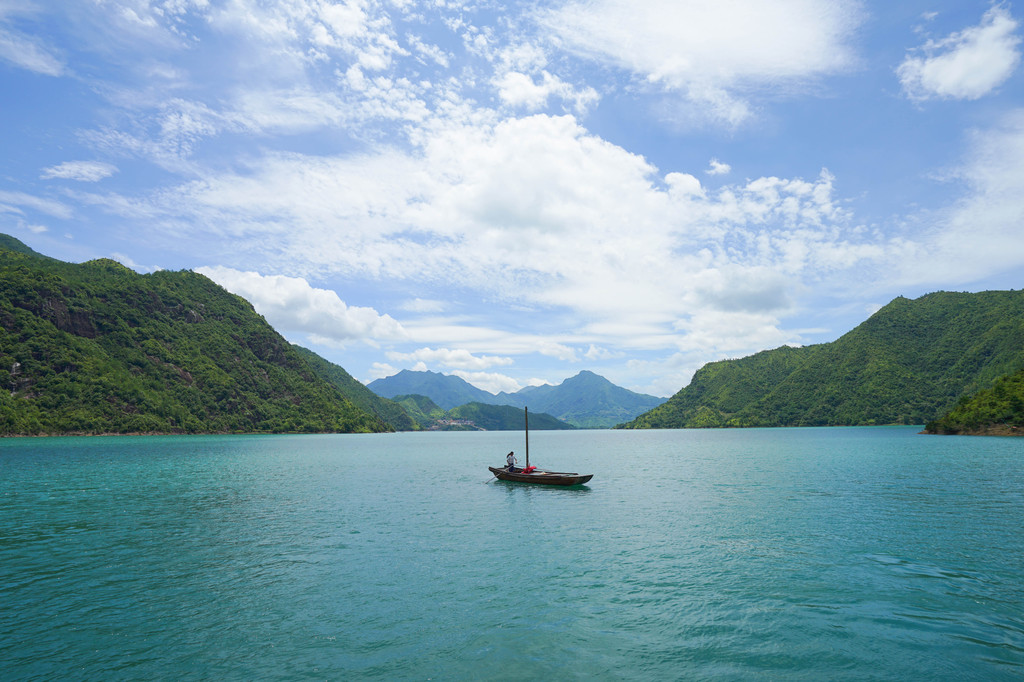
{"points": [[541, 477]]}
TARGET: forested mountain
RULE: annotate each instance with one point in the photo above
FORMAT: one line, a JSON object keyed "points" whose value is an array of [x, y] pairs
{"points": [[907, 364], [997, 411], [97, 348], [421, 409], [474, 416], [505, 418], [446, 390], [584, 401], [587, 401], [353, 389]]}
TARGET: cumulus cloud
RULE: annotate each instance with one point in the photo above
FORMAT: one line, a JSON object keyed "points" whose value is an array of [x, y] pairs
{"points": [[534, 213], [490, 382], [380, 370], [965, 65], [715, 52], [716, 167], [522, 90], [442, 178], [291, 304], [83, 171]]}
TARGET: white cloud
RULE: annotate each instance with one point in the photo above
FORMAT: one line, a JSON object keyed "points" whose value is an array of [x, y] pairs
{"points": [[421, 305], [538, 213], [595, 353], [292, 305], [27, 52], [556, 350], [445, 357], [521, 90], [980, 234], [965, 65], [716, 167], [12, 201], [291, 110], [490, 382], [84, 171], [715, 52], [380, 370]]}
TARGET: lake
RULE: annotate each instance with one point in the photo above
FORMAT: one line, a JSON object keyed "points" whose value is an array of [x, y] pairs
{"points": [[832, 553]]}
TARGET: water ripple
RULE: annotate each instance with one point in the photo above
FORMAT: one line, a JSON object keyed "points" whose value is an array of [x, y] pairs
{"points": [[791, 554]]}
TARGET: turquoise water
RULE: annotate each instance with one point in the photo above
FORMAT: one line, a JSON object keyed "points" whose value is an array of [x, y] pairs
{"points": [[860, 554]]}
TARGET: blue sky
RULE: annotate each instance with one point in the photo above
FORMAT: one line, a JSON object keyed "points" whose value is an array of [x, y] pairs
{"points": [[514, 192]]}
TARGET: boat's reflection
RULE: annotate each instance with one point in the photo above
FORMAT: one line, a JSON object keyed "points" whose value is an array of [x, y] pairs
{"points": [[530, 488]]}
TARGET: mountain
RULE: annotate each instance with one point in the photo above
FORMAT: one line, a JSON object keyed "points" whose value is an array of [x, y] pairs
{"points": [[585, 401], [446, 390], [474, 416], [421, 409], [97, 348], [995, 411], [504, 418], [11, 244], [907, 364], [389, 411]]}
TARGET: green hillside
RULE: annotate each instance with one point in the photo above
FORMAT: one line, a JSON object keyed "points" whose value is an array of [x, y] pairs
{"points": [[504, 418], [421, 409], [909, 363], [353, 389], [998, 410], [97, 348], [474, 416]]}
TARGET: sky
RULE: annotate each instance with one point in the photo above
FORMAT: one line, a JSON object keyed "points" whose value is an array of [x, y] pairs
{"points": [[514, 192]]}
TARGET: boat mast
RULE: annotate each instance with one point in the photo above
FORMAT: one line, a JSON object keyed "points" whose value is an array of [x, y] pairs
{"points": [[526, 416]]}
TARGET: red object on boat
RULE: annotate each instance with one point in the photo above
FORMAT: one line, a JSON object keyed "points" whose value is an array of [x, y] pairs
{"points": [[529, 470]]}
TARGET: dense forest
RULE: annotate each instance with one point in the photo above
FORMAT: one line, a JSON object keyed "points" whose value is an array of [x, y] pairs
{"points": [[474, 416], [505, 418], [353, 389], [97, 348], [909, 363], [421, 409], [997, 411]]}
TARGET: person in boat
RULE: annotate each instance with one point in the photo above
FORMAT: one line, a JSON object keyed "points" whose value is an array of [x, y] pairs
{"points": [[510, 458]]}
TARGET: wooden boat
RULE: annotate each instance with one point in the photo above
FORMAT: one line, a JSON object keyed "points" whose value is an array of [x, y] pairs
{"points": [[530, 474], [541, 476]]}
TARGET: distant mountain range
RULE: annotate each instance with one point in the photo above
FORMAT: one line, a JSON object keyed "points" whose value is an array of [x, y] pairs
{"points": [[446, 390], [474, 416], [909, 363], [586, 400]]}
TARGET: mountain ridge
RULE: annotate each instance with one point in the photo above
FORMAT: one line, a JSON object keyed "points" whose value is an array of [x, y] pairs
{"points": [[97, 348], [906, 364], [586, 400]]}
